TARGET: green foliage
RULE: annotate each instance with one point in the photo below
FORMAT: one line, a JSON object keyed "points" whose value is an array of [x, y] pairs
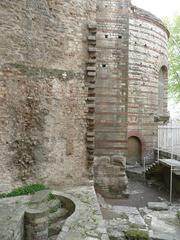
{"points": [[51, 197], [136, 234], [25, 190], [178, 214], [174, 56], [54, 209]]}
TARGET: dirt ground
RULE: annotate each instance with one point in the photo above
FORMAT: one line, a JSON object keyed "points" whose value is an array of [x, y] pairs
{"points": [[141, 193]]}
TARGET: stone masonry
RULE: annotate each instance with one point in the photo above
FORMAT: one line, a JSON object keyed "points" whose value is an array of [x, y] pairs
{"points": [[77, 79], [43, 91], [111, 96]]}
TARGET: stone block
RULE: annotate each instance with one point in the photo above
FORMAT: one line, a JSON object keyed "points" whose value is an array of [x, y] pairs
{"points": [[91, 74], [90, 68], [158, 206], [92, 49], [92, 38], [54, 203], [36, 224], [39, 198], [60, 214], [118, 160]]}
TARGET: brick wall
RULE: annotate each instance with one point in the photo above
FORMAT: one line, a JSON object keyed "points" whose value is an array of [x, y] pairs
{"points": [[111, 96]]}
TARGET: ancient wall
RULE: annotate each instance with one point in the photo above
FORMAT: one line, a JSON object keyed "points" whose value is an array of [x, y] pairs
{"points": [[43, 92], [56, 59], [147, 55], [111, 96]]}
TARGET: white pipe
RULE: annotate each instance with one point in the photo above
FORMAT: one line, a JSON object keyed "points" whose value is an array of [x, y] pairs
{"points": [[171, 173]]}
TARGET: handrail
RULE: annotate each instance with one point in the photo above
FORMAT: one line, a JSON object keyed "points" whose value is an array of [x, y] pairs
{"points": [[169, 141]]}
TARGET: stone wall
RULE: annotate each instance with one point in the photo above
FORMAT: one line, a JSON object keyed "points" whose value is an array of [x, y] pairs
{"points": [[43, 91], [56, 59], [111, 96], [147, 55]]}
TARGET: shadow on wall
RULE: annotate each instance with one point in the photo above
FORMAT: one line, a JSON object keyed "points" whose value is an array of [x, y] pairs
{"points": [[134, 151], [163, 76]]}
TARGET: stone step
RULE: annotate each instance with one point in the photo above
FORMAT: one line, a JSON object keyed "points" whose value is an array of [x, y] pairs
{"points": [[136, 173], [54, 237], [54, 204], [60, 214], [55, 228]]}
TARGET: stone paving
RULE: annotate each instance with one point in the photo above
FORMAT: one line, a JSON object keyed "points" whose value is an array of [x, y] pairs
{"points": [[159, 220], [163, 224], [120, 218]]}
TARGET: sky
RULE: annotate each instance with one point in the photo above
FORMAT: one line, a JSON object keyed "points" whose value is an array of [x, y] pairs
{"points": [[160, 8]]}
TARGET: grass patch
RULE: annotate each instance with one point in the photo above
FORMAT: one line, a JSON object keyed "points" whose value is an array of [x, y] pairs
{"points": [[178, 214], [25, 190], [136, 234]]}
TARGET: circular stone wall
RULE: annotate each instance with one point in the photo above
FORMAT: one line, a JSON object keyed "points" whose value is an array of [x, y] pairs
{"points": [[147, 55]]}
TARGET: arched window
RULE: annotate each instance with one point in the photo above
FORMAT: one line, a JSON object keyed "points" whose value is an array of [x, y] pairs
{"points": [[163, 76]]}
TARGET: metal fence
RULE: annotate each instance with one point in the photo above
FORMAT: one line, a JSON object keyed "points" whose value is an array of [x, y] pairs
{"points": [[169, 141], [169, 138]]}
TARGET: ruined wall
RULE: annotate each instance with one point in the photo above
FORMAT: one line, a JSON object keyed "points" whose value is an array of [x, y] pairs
{"points": [[147, 55], [111, 96], [43, 91], [54, 65]]}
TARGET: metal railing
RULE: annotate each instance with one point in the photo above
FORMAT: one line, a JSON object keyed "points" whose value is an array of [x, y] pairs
{"points": [[169, 138], [169, 141]]}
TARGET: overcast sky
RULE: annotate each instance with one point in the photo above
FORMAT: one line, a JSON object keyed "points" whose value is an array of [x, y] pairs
{"points": [[161, 8]]}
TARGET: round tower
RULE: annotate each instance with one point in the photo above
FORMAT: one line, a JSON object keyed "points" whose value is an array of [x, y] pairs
{"points": [[147, 83]]}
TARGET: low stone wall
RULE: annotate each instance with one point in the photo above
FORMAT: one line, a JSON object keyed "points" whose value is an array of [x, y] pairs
{"points": [[12, 217], [85, 220]]}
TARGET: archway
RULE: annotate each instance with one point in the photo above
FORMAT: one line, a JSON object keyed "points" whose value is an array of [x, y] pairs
{"points": [[134, 150]]}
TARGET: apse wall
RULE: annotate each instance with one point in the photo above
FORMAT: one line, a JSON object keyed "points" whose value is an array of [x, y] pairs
{"points": [[43, 53], [147, 86]]}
